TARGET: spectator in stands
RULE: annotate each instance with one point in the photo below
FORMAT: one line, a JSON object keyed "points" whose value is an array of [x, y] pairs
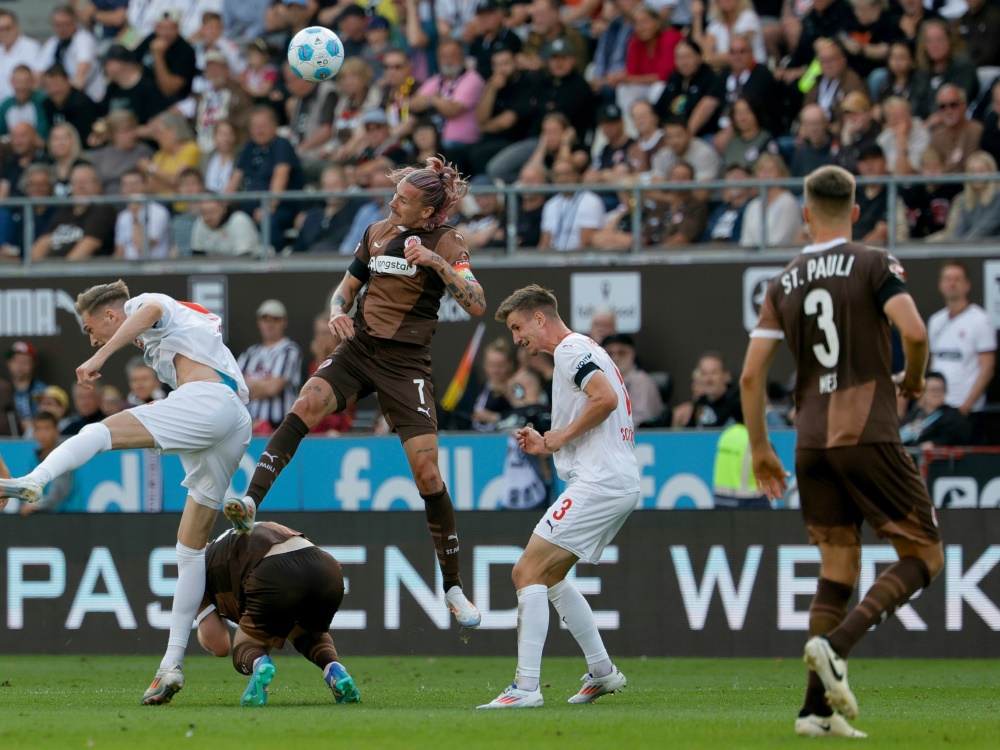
{"points": [[356, 95], [939, 56], [143, 385], [826, 20], [930, 421], [813, 142], [565, 90], [649, 137], [492, 403], [603, 323], [322, 345], [741, 77], [310, 108], [906, 81], [189, 182], [866, 38], [978, 27], [377, 42], [691, 80], [55, 401], [425, 141], [268, 162], [975, 215], [680, 145], [548, 31], [272, 368], [750, 138], [86, 409], [82, 230], [836, 83], [611, 163], [726, 220], [380, 150], [872, 224], [63, 103], [124, 150], [24, 105], [571, 219], [221, 163], [613, 30], [728, 17], [649, 58], [168, 57], [222, 230], [416, 19], [178, 151], [505, 111], [488, 32], [210, 37], [527, 479], [963, 343], [859, 129], [352, 23], [141, 223], [643, 393], [954, 137], [450, 96], [15, 49], [679, 216], [989, 141], [775, 205], [46, 433], [912, 16], [928, 205], [244, 19], [398, 84], [531, 205], [105, 19], [260, 75], [322, 228], [26, 148], [719, 402], [221, 100], [75, 49], [36, 182], [558, 141], [130, 87], [64, 153], [903, 139], [22, 359], [112, 401]]}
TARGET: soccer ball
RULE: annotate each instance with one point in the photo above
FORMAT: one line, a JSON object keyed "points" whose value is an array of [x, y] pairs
{"points": [[316, 54]]}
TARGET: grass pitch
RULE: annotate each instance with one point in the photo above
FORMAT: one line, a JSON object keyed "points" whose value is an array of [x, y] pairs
{"points": [[416, 702]]}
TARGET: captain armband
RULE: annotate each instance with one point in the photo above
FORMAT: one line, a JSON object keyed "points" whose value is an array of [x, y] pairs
{"points": [[463, 269]]}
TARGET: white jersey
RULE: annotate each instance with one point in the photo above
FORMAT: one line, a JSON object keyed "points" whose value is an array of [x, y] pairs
{"points": [[955, 344], [188, 329], [605, 455]]}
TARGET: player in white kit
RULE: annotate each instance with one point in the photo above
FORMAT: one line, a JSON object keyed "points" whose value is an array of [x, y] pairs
{"points": [[204, 419], [593, 440]]}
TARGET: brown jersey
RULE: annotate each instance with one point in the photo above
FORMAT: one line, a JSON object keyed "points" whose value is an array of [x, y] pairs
{"points": [[229, 561], [401, 301], [827, 305]]}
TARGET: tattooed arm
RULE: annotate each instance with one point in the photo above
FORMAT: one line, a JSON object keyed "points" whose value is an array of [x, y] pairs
{"points": [[460, 282], [340, 323]]}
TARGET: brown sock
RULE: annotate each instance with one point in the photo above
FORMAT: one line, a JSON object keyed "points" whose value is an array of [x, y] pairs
{"points": [[827, 611], [443, 526], [890, 591], [279, 451], [317, 648], [245, 654]]}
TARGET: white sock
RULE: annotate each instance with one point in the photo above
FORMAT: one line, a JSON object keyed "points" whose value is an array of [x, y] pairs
{"points": [[74, 453], [187, 596], [532, 627], [579, 618]]}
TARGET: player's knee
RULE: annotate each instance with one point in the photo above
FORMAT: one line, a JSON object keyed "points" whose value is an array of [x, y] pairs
{"points": [[427, 477], [311, 406]]}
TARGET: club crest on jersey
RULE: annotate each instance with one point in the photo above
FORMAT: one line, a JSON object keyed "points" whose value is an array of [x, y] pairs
{"points": [[411, 241], [896, 269], [326, 363]]}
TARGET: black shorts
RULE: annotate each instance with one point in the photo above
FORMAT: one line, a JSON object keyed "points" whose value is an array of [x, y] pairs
{"points": [[839, 488], [304, 587], [399, 373]]}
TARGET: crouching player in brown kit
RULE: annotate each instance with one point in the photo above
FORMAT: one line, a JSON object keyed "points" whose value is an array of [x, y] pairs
{"points": [[275, 584], [833, 305]]}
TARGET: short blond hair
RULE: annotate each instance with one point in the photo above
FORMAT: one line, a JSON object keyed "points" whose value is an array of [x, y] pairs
{"points": [[529, 299], [100, 296], [829, 192]]}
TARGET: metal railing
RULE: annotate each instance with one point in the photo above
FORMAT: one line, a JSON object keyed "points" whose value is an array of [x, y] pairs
{"points": [[510, 193]]}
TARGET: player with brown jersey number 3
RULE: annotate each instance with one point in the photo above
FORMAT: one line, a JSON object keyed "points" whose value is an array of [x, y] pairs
{"points": [[834, 304], [408, 261]]}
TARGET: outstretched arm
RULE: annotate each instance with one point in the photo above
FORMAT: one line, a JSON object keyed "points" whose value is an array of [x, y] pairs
{"points": [[132, 328]]}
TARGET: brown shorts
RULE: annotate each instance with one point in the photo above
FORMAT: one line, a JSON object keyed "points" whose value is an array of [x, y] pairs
{"points": [[399, 373], [304, 587], [876, 482]]}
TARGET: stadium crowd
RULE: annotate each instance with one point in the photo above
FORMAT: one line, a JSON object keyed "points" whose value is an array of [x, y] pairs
{"points": [[195, 96]]}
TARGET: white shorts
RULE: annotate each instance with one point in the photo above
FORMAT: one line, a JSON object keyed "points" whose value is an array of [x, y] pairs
{"points": [[208, 425], [585, 519]]}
